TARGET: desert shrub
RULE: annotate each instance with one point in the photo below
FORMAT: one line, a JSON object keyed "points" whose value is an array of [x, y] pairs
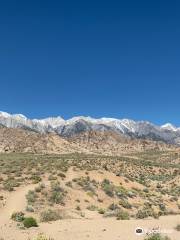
{"points": [[146, 212], [146, 190], [92, 208], [91, 194], [177, 227], [10, 184], [35, 179], [56, 197], [18, 216], [131, 194], [157, 237], [118, 213], [8, 187], [86, 183], [29, 208], [55, 186], [121, 192], [78, 208], [69, 184], [101, 211], [162, 207], [42, 237], [113, 207], [37, 189], [142, 214], [125, 204], [29, 222], [31, 197], [57, 193], [52, 178], [50, 215], [40, 187], [62, 175], [107, 187], [100, 200], [112, 190], [122, 215], [44, 193]]}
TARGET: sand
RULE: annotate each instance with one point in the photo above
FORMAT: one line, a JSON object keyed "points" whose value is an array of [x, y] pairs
{"points": [[94, 228]]}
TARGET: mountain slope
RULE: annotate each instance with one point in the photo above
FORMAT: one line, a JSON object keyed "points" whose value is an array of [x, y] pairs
{"points": [[111, 143], [91, 142], [20, 140]]}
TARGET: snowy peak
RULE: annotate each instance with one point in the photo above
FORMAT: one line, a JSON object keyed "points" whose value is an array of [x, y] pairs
{"points": [[51, 121], [136, 129], [19, 116], [4, 114], [170, 127]]}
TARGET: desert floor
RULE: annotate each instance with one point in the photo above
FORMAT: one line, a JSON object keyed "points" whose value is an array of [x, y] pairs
{"points": [[92, 227]]}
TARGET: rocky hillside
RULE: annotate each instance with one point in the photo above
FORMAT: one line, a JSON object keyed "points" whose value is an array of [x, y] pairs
{"points": [[20, 140], [96, 142], [111, 143]]}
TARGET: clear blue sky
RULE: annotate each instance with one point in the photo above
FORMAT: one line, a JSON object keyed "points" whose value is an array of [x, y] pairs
{"points": [[99, 58]]}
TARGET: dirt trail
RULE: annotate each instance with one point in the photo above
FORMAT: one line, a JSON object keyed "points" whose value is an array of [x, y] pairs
{"points": [[15, 202]]}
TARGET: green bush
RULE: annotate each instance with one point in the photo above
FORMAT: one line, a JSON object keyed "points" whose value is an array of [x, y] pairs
{"points": [[30, 222]]}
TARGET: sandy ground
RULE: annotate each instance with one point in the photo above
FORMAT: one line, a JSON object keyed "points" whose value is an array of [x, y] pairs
{"points": [[106, 229], [94, 228]]}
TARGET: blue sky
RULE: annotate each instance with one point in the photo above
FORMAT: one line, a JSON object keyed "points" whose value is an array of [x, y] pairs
{"points": [[99, 58]]}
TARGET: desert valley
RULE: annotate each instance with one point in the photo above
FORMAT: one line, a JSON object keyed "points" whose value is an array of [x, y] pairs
{"points": [[95, 182]]}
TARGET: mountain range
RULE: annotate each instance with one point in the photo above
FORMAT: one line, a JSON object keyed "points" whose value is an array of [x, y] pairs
{"points": [[70, 128]]}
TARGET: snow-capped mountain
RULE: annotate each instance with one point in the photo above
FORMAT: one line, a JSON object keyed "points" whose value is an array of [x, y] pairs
{"points": [[140, 129], [170, 127]]}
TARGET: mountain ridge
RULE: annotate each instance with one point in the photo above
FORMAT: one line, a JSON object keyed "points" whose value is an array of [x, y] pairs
{"points": [[167, 133]]}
